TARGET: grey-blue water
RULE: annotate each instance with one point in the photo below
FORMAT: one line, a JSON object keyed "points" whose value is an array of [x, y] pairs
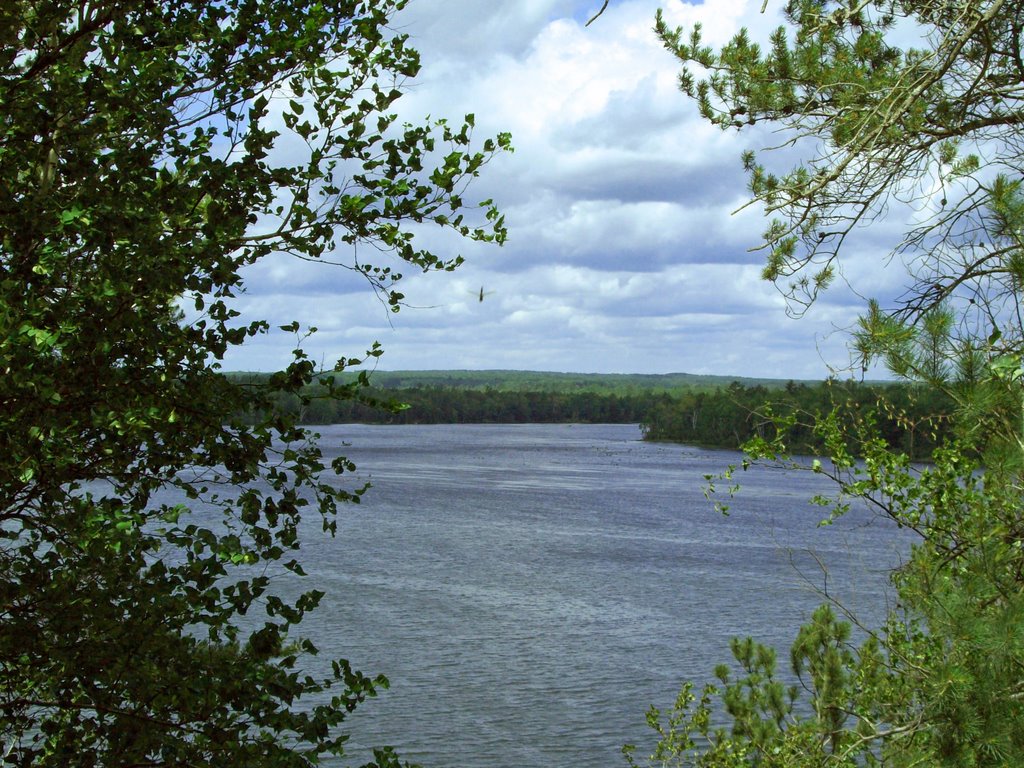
{"points": [[530, 590]]}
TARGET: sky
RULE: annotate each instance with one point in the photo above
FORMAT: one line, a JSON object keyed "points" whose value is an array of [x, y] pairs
{"points": [[624, 253]]}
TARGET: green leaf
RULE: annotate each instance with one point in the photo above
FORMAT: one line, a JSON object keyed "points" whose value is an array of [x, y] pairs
{"points": [[142, 171]]}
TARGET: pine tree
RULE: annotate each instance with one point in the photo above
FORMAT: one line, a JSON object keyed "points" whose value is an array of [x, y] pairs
{"points": [[942, 682]]}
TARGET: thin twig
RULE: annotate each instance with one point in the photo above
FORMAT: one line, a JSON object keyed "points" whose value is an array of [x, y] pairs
{"points": [[594, 17]]}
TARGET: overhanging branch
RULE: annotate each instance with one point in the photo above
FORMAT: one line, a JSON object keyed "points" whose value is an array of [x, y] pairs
{"points": [[596, 15]]}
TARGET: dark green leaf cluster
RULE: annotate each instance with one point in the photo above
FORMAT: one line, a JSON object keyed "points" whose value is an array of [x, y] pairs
{"points": [[148, 152]]}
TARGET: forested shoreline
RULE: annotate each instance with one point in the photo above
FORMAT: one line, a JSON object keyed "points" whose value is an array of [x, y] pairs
{"points": [[911, 419], [160, 160]]}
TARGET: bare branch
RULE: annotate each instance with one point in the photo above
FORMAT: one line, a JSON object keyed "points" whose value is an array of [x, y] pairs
{"points": [[595, 16]]}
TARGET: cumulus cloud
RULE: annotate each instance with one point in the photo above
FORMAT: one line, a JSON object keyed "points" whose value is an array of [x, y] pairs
{"points": [[624, 254]]}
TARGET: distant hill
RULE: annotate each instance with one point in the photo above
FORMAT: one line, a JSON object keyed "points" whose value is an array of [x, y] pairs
{"points": [[544, 381]]}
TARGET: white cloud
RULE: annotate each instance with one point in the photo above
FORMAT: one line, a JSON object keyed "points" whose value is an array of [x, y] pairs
{"points": [[622, 253]]}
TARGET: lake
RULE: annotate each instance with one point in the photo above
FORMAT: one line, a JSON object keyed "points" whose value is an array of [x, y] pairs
{"points": [[531, 589]]}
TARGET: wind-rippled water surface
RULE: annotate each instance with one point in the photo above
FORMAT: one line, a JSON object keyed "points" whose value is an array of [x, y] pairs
{"points": [[530, 590]]}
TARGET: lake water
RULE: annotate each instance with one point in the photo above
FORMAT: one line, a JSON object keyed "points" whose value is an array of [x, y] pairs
{"points": [[531, 589]]}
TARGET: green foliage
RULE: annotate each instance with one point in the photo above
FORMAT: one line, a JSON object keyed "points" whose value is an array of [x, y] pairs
{"points": [[436, 404], [883, 124], [941, 683], [547, 381], [914, 419], [148, 152]]}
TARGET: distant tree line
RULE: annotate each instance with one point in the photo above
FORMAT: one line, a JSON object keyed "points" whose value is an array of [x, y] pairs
{"points": [[910, 419], [449, 405]]}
